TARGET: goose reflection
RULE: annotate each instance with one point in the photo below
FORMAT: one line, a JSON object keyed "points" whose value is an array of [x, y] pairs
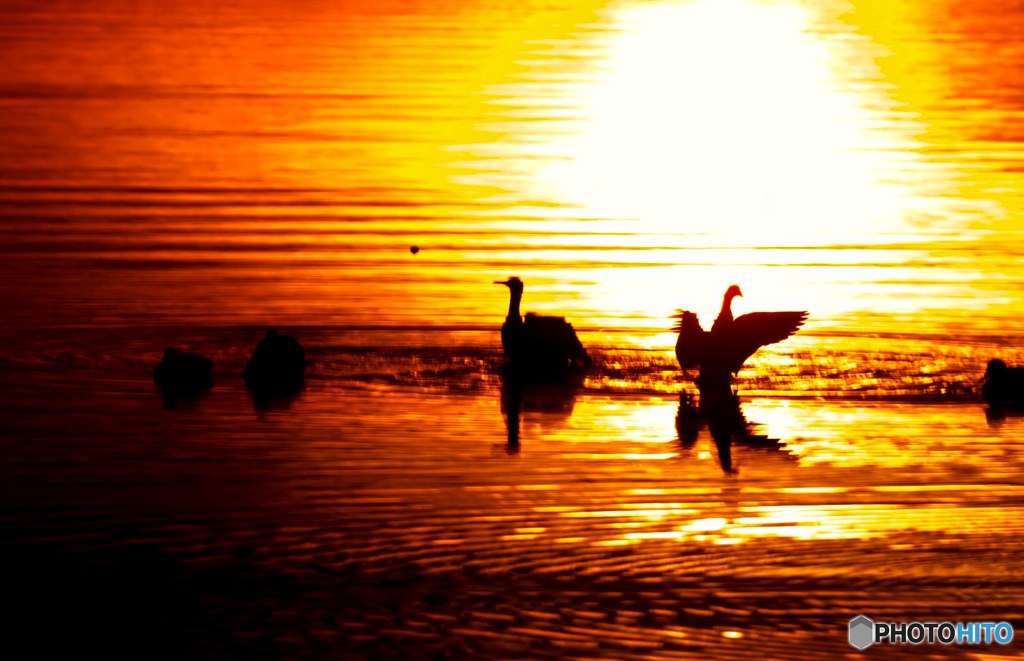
{"points": [[545, 401], [719, 410], [996, 416]]}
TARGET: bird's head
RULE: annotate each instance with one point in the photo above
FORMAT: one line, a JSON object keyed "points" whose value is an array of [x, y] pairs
{"points": [[513, 283], [995, 368], [733, 291]]}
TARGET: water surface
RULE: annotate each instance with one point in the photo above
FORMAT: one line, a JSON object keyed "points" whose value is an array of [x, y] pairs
{"points": [[171, 175]]}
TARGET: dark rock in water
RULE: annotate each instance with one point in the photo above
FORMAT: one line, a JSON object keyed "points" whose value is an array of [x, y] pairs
{"points": [[182, 374], [1002, 384], [276, 367]]}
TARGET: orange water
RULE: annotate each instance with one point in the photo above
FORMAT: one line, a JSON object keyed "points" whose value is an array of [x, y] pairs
{"points": [[171, 175]]}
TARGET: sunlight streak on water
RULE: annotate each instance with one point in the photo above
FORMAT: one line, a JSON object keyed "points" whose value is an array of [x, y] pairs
{"points": [[356, 485]]}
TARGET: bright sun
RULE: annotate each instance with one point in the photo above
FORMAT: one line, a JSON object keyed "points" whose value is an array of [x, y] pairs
{"points": [[697, 129], [720, 117]]}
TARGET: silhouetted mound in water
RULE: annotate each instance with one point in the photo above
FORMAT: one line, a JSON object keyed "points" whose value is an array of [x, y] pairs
{"points": [[721, 352], [276, 367], [1003, 385], [182, 374], [538, 344]]}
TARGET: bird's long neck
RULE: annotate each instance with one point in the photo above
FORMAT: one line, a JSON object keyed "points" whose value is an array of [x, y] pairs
{"points": [[513, 307], [725, 314]]}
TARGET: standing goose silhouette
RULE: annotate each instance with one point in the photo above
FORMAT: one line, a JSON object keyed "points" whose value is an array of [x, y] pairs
{"points": [[538, 344], [721, 352]]}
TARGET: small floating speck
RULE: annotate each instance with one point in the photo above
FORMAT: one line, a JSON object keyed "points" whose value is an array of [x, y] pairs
{"points": [[414, 249]]}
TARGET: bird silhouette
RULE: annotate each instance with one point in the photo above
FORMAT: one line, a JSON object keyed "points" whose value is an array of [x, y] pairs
{"points": [[182, 375], [721, 352], [1003, 385], [276, 368], [538, 344]]}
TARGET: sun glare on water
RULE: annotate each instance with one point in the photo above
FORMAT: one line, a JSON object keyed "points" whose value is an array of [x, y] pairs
{"points": [[709, 117], [716, 126], [717, 117]]}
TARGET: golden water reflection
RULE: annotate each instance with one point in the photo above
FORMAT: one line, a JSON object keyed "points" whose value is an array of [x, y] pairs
{"points": [[624, 158], [830, 522], [678, 125], [917, 471], [196, 174], [385, 483], [742, 124]]}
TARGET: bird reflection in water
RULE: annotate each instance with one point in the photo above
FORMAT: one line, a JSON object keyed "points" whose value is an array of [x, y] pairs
{"points": [[548, 400], [720, 410], [997, 415]]}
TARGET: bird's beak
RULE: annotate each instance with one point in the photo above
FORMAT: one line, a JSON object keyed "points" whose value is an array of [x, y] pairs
{"points": [[739, 293], [501, 282]]}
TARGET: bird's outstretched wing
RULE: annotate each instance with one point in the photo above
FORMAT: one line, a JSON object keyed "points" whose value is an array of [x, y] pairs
{"points": [[555, 334], [750, 332], [691, 344]]}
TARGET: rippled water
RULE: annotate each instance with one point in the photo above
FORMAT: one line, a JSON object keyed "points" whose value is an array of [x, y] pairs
{"points": [[171, 175]]}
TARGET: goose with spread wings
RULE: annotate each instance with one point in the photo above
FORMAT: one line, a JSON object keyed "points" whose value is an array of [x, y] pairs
{"points": [[721, 352]]}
